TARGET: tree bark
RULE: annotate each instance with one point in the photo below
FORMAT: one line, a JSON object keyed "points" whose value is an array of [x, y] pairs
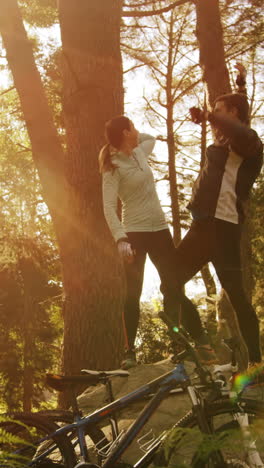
{"points": [[172, 150], [212, 56], [46, 147], [208, 281], [205, 271], [227, 327], [93, 93], [28, 349], [92, 71], [246, 254]]}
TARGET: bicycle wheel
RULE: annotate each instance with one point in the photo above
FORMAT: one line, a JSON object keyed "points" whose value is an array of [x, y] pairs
{"points": [[227, 447], [21, 444], [95, 438]]}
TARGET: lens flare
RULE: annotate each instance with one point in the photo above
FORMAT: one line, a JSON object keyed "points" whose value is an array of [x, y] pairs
{"points": [[176, 329], [250, 377]]}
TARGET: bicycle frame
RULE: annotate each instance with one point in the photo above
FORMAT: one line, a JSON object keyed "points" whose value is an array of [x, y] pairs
{"points": [[163, 384], [160, 387]]}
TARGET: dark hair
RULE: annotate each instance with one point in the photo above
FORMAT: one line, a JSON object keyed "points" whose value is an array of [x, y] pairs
{"points": [[237, 101], [114, 134]]}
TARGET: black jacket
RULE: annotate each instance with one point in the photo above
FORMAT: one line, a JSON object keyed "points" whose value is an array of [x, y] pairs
{"points": [[229, 172]]}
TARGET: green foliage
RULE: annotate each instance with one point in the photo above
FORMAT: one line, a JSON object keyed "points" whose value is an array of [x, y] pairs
{"points": [[7, 439], [30, 280], [29, 331], [52, 80], [183, 447], [40, 13], [257, 216], [153, 342]]}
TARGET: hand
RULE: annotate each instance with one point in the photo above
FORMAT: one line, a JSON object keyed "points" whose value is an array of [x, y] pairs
{"points": [[241, 69], [126, 252], [197, 115]]}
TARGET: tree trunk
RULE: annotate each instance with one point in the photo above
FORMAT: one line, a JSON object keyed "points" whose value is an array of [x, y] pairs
{"points": [[246, 254], [92, 70], [171, 141], [203, 135], [93, 93], [28, 349], [212, 56], [205, 271], [227, 327], [46, 147], [211, 292], [208, 281]]}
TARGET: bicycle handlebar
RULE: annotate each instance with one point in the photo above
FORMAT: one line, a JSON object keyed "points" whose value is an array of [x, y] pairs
{"points": [[178, 335]]}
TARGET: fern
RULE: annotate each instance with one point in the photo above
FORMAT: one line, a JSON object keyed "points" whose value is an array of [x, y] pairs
{"points": [[7, 440]]}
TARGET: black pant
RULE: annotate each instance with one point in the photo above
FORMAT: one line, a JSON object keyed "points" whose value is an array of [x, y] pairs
{"points": [[218, 241], [161, 250]]}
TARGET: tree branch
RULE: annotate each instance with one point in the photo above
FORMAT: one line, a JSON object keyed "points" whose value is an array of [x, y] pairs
{"points": [[7, 90], [141, 14], [165, 163], [150, 107], [134, 67], [138, 5], [24, 148]]}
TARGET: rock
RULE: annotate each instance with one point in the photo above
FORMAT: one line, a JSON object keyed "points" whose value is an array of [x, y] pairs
{"points": [[169, 411]]}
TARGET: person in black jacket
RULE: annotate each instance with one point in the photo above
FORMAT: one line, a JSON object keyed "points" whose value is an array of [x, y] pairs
{"points": [[231, 167]]}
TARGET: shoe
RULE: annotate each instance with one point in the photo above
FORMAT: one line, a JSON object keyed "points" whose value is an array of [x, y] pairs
{"points": [[129, 359], [206, 354]]}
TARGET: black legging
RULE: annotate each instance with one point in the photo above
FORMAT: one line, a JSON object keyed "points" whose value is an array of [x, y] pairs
{"points": [[218, 241], [161, 250]]}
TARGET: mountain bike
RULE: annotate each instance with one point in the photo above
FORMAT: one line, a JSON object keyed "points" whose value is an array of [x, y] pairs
{"points": [[225, 429]]}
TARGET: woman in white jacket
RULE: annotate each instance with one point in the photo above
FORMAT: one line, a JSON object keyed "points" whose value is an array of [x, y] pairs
{"points": [[143, 230]]}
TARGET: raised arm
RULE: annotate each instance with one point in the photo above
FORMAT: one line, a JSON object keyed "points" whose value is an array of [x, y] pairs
{"points": [[241, 78], [242, 138], [146, 143]]}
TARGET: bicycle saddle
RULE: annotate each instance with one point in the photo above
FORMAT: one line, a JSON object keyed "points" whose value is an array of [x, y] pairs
{"points": [[64, 382], [103, 374]]}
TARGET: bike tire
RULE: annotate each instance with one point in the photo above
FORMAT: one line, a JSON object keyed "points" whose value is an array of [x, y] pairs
{"points": [[97, 440], [185, 446], [20, 443]]}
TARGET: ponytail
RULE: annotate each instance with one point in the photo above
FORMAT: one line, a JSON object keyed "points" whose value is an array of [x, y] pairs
{"points": [[114, 135], [105, 159]]}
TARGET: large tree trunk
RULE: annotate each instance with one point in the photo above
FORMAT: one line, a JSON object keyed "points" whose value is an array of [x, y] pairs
{"points": [[212, 55], [227, 327], [93, 92], [172, 150], [46, 147], [246, 254], [28, 347]]}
